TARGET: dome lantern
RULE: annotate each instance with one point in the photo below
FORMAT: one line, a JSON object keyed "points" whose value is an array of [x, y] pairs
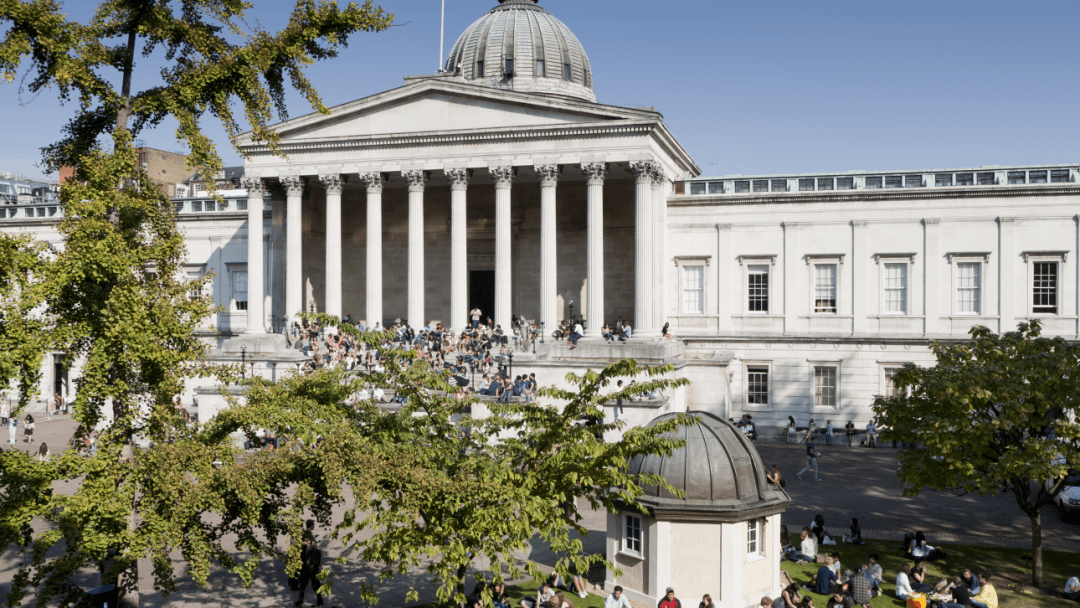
{"points": [[518, 45]]}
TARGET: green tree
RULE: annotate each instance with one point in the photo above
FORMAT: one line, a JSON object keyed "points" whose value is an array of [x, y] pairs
{"points": [[111, 295], [480, 487], [996, 414]]}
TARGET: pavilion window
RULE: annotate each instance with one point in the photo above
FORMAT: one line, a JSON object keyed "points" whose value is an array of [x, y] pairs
{"points": [[779, 185], [986, 179], [1017, 177], [894, 181], [509, 66], [913, 181], [479, 69], [845, 183], [943, 179], [873, 182], [540, 71], [825, 183], [716, 187], [742, 186], [1059, 175], [697, 187], [761, 185], [1036, 177], [965, 179], [567, 71], [806, 184]]}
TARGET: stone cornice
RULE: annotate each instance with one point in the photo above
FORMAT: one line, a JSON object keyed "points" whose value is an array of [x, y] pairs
{"points": [[700, 200]]}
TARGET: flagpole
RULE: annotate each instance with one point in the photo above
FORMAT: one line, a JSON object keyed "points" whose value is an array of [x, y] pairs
{"points": [[442, 28]]}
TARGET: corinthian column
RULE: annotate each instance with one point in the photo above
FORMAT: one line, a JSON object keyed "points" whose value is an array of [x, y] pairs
{"points": [[594, 174], [417, 180], [256, 321], [659, 270], [643, 318], [294, 290], [459, 240], [503, 176], [549, 179], [332, 183], [375, 183]]}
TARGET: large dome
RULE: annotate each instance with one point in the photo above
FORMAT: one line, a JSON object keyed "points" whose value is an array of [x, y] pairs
{"points": [[520, 46], [719, 470]]}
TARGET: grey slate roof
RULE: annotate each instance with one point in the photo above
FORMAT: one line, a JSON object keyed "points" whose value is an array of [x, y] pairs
{"points": [[522, 30]]}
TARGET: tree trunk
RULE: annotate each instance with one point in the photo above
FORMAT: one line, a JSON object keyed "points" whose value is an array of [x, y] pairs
{"points": [[1036, 549]]}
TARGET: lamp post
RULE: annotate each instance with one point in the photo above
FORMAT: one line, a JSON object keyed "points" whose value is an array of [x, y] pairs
{"points": [[243, 360], [510, 360], [569, 296], [541, 332]]}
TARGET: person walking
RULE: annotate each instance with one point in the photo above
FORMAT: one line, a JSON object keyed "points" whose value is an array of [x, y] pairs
{"points": [[310, 566], [12, 425], [811, 459], [28, 429]]}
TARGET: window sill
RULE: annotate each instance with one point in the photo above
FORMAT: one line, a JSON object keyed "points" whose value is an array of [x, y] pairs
{"points": [[969, 317], [1041, 316], [757, 315], [757, 557], [626, 553], [896, 316], [825, 315]]}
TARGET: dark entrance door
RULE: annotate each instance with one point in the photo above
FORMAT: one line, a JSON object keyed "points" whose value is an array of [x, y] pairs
{"points": [[482, 292]]}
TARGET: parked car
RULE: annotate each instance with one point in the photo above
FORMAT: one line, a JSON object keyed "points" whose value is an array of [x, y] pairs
{"points": [[1068, 500]]}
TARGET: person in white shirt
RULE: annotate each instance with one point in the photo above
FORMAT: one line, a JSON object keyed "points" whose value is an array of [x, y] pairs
{"points": [[616, 599], [378, 394], [1072, 589], [903, 585]]}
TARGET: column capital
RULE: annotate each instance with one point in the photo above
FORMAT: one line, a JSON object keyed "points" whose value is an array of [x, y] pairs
{"points": [[293, 184], [659, 176], [374, 182], [459, 178], [254, 186], [417, 180], [548, 174], [594, 173], [642, 170], [332, 183], [502, 176]]}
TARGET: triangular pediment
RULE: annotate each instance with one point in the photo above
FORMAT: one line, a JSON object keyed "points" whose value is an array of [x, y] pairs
{"points": [[428, 107]]}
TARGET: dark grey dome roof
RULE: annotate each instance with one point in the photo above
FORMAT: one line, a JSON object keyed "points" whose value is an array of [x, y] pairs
{"points": [[523, 31], [719, 470]]}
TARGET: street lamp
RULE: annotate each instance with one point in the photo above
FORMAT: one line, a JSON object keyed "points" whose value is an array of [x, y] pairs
{"points": [[510, 359], [569, 295], [541, 332], [243, 359]]}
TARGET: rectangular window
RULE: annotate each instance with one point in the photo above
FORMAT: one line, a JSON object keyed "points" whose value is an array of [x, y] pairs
{"points": [[896, 288], [1036, 177], [742, 186], [825, 386], [211, 205], [509, 66], [943, 179], [1059, 175], [567, 72], [753, 537], [845, 183], [196, 291], [197, 188], [757, 286], [761, 185], [757, 385], [1044, 288], [479, 69], [913, 181], [540, 68], [241, 205], [223, 206], [697, 187], [632, 534], [716, 187], [196, 205], [1017, 177], [825, 183], [873, 182], [968, 288], [806, 184], [240, 290], [894, 181], [825, 288], [890, 388], [179, 206], [986, 179], [965, 179], [693, 289], [779, 185]]}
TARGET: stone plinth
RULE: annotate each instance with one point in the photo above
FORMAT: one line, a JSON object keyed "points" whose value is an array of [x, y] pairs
{"points": [[650, 352]]}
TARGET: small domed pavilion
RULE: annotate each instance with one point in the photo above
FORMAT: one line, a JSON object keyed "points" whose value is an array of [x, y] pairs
{"points": [[721, 538]]}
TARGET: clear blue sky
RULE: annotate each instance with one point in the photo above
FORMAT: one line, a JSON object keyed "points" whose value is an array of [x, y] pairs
{"points": [[758, 86]]}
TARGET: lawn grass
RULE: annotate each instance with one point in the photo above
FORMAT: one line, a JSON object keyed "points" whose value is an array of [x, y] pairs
{"points": [[1013, 580]]}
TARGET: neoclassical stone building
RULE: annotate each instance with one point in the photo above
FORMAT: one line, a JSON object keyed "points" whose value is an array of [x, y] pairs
{"points": [[502, 183]]}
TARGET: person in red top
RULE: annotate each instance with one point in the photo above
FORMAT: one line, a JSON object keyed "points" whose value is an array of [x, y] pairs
{"points": [[669, 600]]}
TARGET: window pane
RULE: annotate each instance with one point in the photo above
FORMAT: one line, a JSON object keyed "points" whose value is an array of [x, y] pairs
{"points": [[986, 179], [1017, 177], [566, 71], [825, 183], [968, 283], [890, 388], [716, 187], [913, 181], [894, 181], [742, 186], [752, 536], [632, 535], [757, 385], [761, 185], [965, 179], [1036, 177], [779, 185], [1059, 175], [1044, 287], [757, 284], [240, 289], [896, 288], [873, 182], [540, 68], [845, 183], [825, 288], [693, 288], [196, 205], [943, 179], [806, 184], [697, 187], [479, 70], [211, 205], [825, 386]]}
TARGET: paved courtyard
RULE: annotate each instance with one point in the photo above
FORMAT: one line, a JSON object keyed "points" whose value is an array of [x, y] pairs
{"points": [[856, 482]]}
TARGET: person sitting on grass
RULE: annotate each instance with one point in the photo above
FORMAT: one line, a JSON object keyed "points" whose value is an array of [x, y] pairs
{"points": [[874, 570], [1072, 589], [807, 548], [822, 581], [616, 599], [854, 537], [706, 602], [961, 595], [860, 587], [904, 588], [987, 595], [543, 595], [789, 597], [839, 599], [835, 564], [559, 601], [573, 583]]}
